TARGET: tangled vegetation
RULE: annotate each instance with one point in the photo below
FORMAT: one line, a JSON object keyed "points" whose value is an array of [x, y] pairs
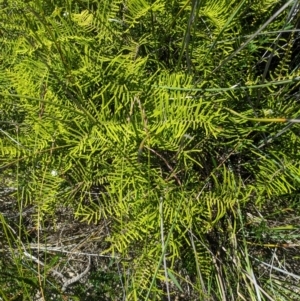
{"points": [[157, 140]]}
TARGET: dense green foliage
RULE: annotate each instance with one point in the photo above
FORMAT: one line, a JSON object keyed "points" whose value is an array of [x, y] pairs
{"points": [[124, 113]]}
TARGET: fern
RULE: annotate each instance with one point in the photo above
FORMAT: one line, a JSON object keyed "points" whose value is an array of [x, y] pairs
{"points": [[111, 109]]}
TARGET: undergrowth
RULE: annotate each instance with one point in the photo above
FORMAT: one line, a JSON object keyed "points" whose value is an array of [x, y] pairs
{"points": [[157, 140]]}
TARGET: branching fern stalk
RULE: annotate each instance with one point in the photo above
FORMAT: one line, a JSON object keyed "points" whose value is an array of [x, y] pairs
{"points": [[109, 107]]}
